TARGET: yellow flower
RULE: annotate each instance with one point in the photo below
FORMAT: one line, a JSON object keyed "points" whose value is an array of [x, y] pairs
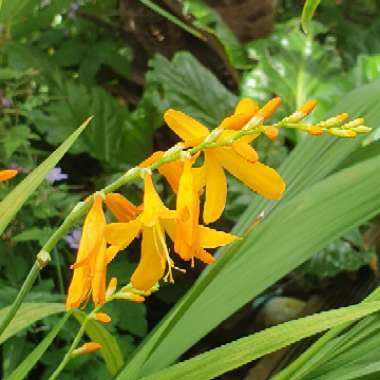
{"points": [[240, 160], [152, 222], [91, 263], [190, 238], [7, 174]]}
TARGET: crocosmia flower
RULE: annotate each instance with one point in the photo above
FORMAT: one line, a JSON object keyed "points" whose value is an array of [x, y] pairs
{"points": [[239, 159], [91, 264]]}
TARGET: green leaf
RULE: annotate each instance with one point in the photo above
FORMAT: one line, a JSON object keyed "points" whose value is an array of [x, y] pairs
{"points": [[12, 11], [296, 68], [367, 69], [246, 265], [337, 257], [363, 153], [114, 138], [209, 20], [223, 359], [307, 13], [186, 85], [17, 197], [30, 361], [110, 350], [28, 314]]}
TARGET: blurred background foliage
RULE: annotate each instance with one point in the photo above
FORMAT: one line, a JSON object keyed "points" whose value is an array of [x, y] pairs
{"points": [[62, 61]]}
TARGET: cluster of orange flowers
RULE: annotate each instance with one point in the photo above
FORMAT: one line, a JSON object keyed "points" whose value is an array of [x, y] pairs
{"points": [[199, 169]]}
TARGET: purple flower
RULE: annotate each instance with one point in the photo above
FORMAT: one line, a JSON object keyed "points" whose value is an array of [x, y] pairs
{"points": [[56, 175], [73, 239], [6, 102]]}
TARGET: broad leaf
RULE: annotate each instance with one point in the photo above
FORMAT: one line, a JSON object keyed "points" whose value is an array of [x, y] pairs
{"points": [[186, 85], [296, 68], [27, 315], [17, 197]]}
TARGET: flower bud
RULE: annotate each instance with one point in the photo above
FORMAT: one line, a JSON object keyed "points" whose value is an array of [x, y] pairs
{"points": [[308, 107], [270, 107], [354, 123], [271, 132], [102, 318], [361, 129], [334, 121], [315, 130], [342, 132], [111, 287], [87, 348]]}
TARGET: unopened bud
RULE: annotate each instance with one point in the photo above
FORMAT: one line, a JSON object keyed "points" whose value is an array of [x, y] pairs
{"points": [[102, 318], [308, 107], [270, 107], [130, 297], [334, 121], [7, 174], [87, 348], [361, 129], [315, 130], [354, 123], [342, 132], [271, 132], [111, 287]]}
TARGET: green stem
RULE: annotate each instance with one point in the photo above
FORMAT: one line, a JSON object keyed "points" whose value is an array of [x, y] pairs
{"points": [[26, 286], [73, 346]]}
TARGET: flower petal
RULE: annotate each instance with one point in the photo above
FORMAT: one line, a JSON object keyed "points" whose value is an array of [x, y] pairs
{"points": [[216, 188], [112, 251], [172, 172], [121, 207], [246, 106], [92, 232], [122, 234], [151, 159], [245, 150], [151, 266], [99, 274], [257, 176], [210, 238], [204, 256], [185, 126], [79, 288], [235, 122]]}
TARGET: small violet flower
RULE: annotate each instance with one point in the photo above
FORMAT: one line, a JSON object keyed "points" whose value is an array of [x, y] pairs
{"points": [[56, 175], [73, 239]]}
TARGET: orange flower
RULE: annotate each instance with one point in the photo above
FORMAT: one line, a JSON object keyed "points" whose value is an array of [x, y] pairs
{"points": [[121, 207], [91, 263], [189, 237], [7, 174], [152, 222], [240, 160]]}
